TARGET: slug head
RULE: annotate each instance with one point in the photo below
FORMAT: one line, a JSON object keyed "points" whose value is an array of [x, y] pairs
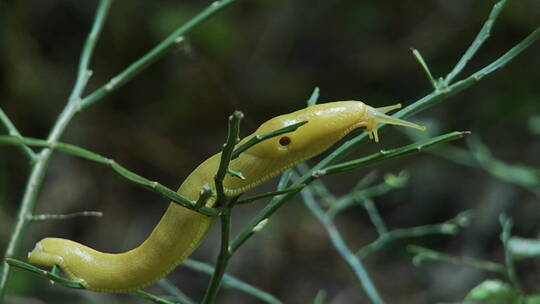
{"points": [[326, 124], [375, 116]]}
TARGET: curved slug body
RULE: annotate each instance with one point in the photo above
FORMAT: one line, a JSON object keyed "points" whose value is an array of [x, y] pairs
{"points": [[180, 230]]}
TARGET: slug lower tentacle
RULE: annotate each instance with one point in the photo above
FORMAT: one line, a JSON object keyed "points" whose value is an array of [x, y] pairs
{"points": [[180, 230]]}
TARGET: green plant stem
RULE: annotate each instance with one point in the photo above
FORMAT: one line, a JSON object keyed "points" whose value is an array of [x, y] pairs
{"points": [[361, 195], [510, 269], [375, 218], [40, 165], [437, 96], [422, 254], [154, 54], [232, 282], [314, 97], [425, 67], [113, 165], [12, 130], [387, 154], [450, 227], [482, 36], [226, 155], [223, 258], [353, 261]]}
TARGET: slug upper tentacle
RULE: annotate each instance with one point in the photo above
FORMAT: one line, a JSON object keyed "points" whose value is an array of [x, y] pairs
{"points": [[180, 230]]}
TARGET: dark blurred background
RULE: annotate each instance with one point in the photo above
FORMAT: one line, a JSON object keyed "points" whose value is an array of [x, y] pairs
{"points": [[264, 58]]}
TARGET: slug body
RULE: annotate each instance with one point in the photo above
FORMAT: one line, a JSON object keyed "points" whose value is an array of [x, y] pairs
{"points": [[180, 230]]}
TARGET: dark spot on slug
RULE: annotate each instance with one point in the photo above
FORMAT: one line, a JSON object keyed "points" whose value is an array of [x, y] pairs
{"points": [[284, 141]]}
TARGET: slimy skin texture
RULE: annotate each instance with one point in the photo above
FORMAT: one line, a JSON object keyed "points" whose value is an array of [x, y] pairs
{"points": [[180, 230]]}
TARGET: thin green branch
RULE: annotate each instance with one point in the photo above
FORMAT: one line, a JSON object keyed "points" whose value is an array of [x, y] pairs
{"points": [[375, 218], [46, 217], [154, 54], [504, 59], [39, 167], [361, 192], [520, 175], [436, 86], [226, 155], [12, 130], [84, 74], [352, 260], [450, 227], [387, 154], [223, 258], [422, 254], [314, 97], [482, 36], [259, 138], [507, 224], [437, 96], [232, 282], [113, 165]]}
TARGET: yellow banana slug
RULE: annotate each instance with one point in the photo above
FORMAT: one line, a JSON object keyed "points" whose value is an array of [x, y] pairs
{"points": [[180, 230]]}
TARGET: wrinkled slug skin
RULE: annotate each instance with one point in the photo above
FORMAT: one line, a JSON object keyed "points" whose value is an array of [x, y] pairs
{"points": [[180, 230]]}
